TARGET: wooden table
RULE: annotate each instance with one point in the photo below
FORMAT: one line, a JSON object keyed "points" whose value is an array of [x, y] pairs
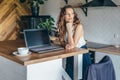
{"points": [[104, 48], [98, 47], [8, 47]]}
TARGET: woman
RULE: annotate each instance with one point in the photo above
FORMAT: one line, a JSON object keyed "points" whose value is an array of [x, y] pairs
{"points": [[71, 35]]}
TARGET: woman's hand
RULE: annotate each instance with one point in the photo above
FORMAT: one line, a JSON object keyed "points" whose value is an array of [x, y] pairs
{"points": [[69, 26], [68, 46]]}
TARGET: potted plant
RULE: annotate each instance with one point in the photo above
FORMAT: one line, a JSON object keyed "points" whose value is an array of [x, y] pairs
{"points": [[47, 23], [34, 4]]}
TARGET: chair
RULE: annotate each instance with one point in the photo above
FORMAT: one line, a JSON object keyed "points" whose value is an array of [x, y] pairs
{"points": [[103, 70]]}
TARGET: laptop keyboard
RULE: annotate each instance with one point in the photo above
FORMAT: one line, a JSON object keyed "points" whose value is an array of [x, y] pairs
{"points": [[45, 48]]}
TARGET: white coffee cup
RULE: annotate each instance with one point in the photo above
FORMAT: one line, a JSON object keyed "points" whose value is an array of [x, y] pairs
{"points": [[23, 50]]}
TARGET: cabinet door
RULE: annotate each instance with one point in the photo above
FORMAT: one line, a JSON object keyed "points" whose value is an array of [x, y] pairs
{"points": [[25, 22]]}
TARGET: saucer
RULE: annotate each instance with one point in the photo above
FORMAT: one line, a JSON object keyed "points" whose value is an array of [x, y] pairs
{"points": [[17, 54]]}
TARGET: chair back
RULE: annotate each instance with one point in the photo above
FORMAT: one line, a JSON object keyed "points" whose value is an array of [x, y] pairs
{"points": [[103, 70]]}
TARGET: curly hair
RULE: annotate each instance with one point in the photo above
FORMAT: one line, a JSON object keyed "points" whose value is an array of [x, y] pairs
{"points": [[61, 23]]}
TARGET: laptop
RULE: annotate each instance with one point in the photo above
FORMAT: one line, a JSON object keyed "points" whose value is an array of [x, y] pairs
{"points": [[38, 40]]}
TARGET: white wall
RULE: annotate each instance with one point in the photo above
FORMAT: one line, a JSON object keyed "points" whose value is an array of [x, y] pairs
{"points": [[101, 24], [51, 7]]}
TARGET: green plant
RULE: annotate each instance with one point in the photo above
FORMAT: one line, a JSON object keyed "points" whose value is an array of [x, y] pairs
{"points": [[46, 24]]}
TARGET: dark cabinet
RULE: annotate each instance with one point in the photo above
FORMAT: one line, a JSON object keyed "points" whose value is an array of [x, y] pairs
{"points": [[31, 22]]}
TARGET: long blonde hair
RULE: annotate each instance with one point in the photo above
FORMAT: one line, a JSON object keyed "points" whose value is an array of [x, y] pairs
{"points": [[61, 23]]}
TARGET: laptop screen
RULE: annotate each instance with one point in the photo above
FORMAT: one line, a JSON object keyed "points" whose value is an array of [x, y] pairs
{"points": [[36, 37]]}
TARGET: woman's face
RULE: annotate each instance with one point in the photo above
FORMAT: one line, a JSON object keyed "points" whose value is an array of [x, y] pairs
{"points": [[69, 16]]}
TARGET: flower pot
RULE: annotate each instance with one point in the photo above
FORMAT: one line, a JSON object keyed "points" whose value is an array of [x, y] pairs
{"points": [[35, 11]]}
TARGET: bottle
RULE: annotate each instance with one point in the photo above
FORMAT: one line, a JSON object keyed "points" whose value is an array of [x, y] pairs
{"points": [[117, 40]]}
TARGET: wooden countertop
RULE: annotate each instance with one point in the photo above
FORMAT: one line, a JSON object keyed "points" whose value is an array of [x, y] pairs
{"points": [[110, 49], [8, 47]]}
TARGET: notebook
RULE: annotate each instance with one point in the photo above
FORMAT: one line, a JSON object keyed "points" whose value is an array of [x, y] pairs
{"points": [[38, 40]]}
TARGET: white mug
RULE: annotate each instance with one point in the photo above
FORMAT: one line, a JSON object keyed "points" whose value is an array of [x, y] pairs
{"points": [[23, 50]]}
